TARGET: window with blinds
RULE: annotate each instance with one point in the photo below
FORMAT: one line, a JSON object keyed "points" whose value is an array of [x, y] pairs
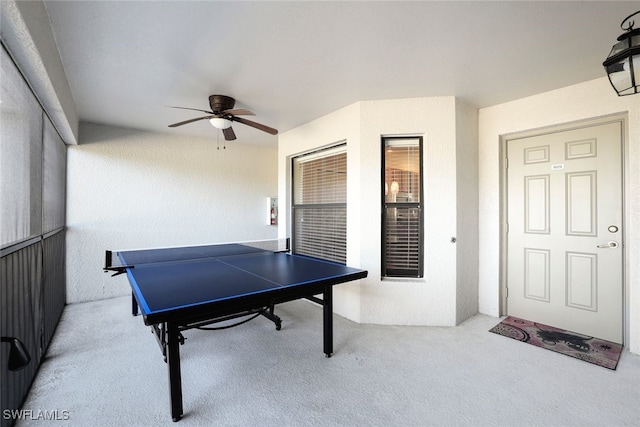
{"points": [[320, 204], [402, 223]]}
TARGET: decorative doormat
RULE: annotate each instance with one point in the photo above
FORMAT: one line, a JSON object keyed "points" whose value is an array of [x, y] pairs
{"points": [[593, 350]]}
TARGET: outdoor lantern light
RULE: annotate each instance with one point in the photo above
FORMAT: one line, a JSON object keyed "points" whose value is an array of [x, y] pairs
{"points": [[623, 62]]}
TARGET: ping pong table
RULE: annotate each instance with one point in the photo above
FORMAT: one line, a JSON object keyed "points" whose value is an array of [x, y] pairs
{"points": [[181, 288]]}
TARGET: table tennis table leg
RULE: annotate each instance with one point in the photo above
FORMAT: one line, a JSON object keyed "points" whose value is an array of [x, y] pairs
{"points": [[327, 314], [173, 363], [134, 305]]}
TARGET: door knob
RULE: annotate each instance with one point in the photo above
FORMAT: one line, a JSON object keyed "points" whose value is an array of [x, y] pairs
{"points": [[612, 245]]}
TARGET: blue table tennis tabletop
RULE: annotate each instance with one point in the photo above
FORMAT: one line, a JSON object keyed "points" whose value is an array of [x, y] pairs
{"points": [[170, 280], [177, 289]]}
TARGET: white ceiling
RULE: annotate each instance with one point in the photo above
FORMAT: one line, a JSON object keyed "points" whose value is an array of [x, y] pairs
{"points": [[292, 62]]}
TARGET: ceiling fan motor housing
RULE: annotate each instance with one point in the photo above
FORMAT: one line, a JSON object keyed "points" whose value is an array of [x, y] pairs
{"points": [[220, 103]]}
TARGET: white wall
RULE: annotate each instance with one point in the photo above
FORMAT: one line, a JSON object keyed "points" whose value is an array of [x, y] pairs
{"points": [[467, 210], [131, 189], [584, 101], [433, 299]]}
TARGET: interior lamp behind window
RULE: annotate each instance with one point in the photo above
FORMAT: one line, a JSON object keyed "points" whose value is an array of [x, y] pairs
{"points": [[395, 188]]}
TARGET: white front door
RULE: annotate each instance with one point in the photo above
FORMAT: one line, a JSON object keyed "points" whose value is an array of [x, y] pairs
{"points": [[564, 231]]}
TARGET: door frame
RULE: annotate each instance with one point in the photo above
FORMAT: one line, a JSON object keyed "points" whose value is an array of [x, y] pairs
{"points": [[504, 139]]}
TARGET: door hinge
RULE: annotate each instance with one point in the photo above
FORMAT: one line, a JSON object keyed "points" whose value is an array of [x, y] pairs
{"points": [[506, 292], [506, 163], [506, 227]]}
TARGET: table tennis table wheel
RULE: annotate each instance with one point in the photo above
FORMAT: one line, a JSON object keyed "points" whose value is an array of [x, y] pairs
{"points": [[328, 355], [278, 325], [175, 420]]}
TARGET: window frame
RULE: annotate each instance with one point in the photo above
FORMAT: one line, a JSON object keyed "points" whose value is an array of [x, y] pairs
{"points": [[392, 273]]}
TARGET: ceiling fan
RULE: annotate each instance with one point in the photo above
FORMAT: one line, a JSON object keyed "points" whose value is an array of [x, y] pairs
{"points": [[222, 115]]}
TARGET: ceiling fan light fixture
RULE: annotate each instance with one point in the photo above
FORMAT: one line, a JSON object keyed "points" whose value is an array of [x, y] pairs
{"points": [[623, 63], [220, 122]]}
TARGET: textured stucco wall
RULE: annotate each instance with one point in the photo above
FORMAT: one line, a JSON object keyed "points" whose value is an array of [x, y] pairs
{"points": [[432, 299], [576, 103], [466, 210], [130, 189]]}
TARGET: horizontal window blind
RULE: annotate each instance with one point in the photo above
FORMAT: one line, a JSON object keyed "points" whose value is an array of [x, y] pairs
{"points": [[402, 171], [402, 208], [320, 204], [321, 232], [402, 241]]}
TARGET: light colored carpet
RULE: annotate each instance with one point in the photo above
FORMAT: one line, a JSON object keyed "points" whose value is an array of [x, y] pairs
{"points": [[105, 368]]}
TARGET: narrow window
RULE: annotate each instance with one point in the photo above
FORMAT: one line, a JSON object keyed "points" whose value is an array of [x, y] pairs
{"points": [[402, 222], [320, 204]]}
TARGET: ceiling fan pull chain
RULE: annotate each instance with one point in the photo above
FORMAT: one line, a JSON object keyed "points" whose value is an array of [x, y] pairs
{"points": [[224, 146]]}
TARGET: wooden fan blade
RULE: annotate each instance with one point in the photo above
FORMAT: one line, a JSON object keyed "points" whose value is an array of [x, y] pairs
{"points": [[238, 112], [190, 121], [192, 109], [262, 127], [229, 134]]}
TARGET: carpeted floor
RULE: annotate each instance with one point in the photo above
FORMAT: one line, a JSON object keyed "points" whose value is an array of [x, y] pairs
{"points": [[105, 369]]}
